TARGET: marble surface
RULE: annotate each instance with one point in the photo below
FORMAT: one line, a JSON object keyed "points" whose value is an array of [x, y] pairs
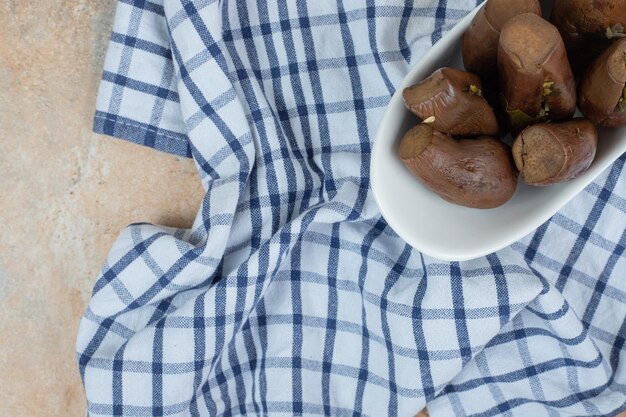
{"points": [[65, 194]]}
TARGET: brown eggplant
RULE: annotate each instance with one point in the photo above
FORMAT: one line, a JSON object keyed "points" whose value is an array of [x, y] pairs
{"points": [[588, 27], [602, 91], [536, 80], [480, 41], [547, 154], [477, 173], [451, 100]]}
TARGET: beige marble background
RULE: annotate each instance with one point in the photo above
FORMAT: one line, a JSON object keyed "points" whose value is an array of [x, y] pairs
{"points": [[65, 194]]}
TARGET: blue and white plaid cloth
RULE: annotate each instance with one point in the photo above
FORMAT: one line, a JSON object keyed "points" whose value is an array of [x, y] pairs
{"points": [[290, 295]]}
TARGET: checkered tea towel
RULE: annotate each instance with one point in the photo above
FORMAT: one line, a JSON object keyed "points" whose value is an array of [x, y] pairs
{"points": [[290, 295]]}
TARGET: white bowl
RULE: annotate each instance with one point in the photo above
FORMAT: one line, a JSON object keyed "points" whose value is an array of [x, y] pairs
{"points": [[446, 231]]}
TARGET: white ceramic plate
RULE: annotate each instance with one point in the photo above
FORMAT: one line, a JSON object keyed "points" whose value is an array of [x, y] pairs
{"points": [[451, 232]]}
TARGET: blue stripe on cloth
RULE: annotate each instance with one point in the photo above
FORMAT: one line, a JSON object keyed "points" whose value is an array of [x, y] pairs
{"points": [[137, 85], [296, 84], [118, 392], [394, 275], [331, 320], [146, 5], [405, 50], [494, 389], [366, 246], [144, 45], [137, 132], [296, 360], [157, 371], [504, 304], [419, 335], [458, 300], [525, 354], [359, 108], [523, 374], [440, 16], [371, 23], [283, 131], [220, 344], [199, 340]]}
